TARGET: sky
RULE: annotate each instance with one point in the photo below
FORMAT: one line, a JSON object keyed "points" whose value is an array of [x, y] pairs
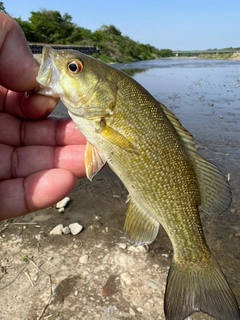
{"points": [[172, 24]]}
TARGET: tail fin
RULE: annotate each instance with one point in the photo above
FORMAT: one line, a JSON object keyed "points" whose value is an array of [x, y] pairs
{"points": [[198, 289]]}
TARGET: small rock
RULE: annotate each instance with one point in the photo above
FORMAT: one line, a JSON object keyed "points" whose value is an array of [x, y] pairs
{"points": [[153, 285], [149, 304], [126, 280], [85, 274], [66, 230], [124, 260], [110, 286], [137, 249], [132, 312], [233, 210], [84, 259], [112, 309], [38, 237], [122, 245], [57, 230], [165, 255], [63, 203], [105, 259], [75, 228]]}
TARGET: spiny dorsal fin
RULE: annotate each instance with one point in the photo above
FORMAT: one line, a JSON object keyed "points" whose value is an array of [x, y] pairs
{"points": [[140, 227], [215, 191]]}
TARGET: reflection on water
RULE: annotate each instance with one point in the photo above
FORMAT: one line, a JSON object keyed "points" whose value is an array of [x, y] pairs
{"points": [[205, 95], [132, 72]]}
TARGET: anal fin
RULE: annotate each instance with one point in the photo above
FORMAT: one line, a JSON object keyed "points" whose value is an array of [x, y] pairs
{"points": [[140, 227]]}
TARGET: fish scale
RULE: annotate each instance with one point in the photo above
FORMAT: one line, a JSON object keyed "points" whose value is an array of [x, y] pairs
{"points": [[154, 156]]}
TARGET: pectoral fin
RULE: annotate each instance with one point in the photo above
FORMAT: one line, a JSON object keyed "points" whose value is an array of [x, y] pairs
{"points": [[93, 161], [140, 227], [114, 136]]}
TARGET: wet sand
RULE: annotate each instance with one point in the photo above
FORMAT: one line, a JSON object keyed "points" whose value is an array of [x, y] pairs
{"points": [[44, 277]]}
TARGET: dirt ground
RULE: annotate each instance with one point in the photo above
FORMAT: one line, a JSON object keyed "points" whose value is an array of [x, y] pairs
{"points": [[96, 274]]}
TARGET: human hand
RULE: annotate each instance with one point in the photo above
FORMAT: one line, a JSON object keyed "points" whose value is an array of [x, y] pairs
{"points": [[39, 160]]}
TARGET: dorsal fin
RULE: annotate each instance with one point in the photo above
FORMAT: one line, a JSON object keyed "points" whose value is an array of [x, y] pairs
{"points": [[215, 191]]}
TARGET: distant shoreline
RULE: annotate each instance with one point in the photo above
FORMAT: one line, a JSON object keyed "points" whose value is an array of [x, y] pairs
{"points": [[228, 56]]}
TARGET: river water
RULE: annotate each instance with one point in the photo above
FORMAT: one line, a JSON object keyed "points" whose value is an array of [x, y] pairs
{"points": [[205, 96]]}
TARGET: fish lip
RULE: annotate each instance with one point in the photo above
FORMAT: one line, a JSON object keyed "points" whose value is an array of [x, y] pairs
{"points": [[47, 73], [45, 66]]}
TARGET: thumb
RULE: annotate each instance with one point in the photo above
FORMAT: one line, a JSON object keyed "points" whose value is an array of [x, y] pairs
{"points": [[18, 69]]}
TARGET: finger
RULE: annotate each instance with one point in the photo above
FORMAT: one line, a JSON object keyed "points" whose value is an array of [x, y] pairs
{"points": [[18, 68], [24, 161], [38, 191], [26, 105], [49, 132]]}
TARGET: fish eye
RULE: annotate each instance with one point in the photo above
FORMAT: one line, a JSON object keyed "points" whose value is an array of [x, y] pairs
{"points": [[75, 66]]}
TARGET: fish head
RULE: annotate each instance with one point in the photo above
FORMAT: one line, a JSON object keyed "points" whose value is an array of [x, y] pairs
{"points": [[80, 81]]}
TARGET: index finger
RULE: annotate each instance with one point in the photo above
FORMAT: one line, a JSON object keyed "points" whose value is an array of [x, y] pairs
{"points": [[47, 132]]}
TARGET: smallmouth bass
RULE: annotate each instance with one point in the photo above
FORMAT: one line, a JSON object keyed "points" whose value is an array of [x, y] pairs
{"points": [[154, 156]]}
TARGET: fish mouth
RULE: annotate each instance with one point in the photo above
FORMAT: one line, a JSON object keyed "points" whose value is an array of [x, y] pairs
{"points": [[48, 73]]}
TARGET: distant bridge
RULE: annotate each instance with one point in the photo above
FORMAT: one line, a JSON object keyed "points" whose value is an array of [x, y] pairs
{"points": [[37, 48]]}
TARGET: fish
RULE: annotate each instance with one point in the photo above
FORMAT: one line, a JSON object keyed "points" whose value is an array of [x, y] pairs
{"points": [[155, 157]]}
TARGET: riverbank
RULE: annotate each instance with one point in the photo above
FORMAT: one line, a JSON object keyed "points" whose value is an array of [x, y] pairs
{"points": [[220, 56], [227, 56]]}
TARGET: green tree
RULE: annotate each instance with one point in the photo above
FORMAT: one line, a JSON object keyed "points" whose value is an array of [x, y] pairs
{"points": [[111, 29], [47, 26], [79, 34], [2, 7], [50, 26]]}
